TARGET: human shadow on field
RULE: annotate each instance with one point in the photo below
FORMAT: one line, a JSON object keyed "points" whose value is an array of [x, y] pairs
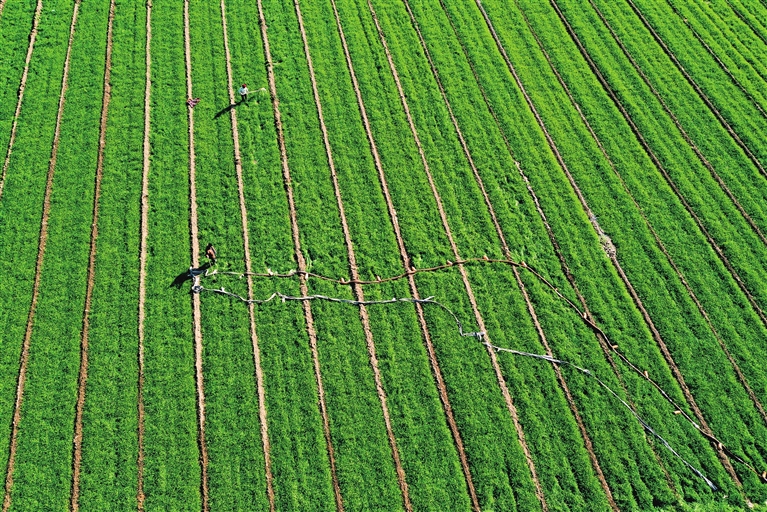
{"points": [[226, 110], [187, 275]]}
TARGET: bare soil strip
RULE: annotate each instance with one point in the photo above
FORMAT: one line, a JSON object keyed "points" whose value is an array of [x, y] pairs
{"points": [[684, 133], [22, 86], [142, 258], [246, 243], [83, 376], [38, 268], [393, 215], [656, 335], [358, 292], [507, 254], [195, 243], [655, 235], [299, 254], [694, 85]]}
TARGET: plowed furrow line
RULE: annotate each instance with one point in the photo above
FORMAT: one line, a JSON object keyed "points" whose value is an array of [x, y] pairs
{"points": [[299, 254], [195, 243], [694, 85], [358, 292], [82, 380], [142, 258], [248, 266], [656, 335], [443, 216], [22, 86], [656, 237], [38, 268], [683, 132]]}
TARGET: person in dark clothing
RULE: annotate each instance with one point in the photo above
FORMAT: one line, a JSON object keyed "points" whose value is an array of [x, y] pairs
{"points": [[210, 252]]}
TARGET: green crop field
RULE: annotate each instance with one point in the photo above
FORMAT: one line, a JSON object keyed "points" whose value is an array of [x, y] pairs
{"points": [[496, 255]]}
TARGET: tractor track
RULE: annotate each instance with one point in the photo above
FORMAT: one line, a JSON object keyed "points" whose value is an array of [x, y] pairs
{"points": [[656, 237], [24, 359], [691, 81], [656, 335], [358, 292], [464, 276], [246, 246], [713, 54], [74, 504], [684, 133], [22, 86], [195, 247], [140, 496], [299, 256]]}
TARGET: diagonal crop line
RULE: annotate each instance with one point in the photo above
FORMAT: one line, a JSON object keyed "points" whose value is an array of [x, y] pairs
{"points": [[364, 317], [77, 455], [695, 86], [246, 243], [299, 255], [658, 241], [713, 54], [195, 246], [443, 216], [140, 496], [24, 359], [22, 86], [656, 335]]}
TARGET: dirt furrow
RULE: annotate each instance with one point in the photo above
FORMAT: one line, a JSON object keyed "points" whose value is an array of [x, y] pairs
{"points": [[140, 496], [684, 133], [649, 226], [38, 268], [195, 246], [392, 213], [22, 86], [656, 335], [299, 254], [246, 245], [358, 292], [82, 380], [694, 85]]}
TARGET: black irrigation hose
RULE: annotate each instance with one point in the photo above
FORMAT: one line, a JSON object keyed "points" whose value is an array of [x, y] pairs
{"points": [[198, 274]]}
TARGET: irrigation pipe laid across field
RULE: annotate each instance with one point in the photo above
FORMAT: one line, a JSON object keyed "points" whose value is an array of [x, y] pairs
{"points": [[198, 288]]}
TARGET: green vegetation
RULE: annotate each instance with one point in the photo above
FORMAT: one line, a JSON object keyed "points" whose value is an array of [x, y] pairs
{"points": [[590, 107]]}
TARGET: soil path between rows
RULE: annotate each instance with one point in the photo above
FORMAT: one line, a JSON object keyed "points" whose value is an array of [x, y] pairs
{"points": [[24, 359], [195, 247], [260, 390], [22, 86], [83, 374]]}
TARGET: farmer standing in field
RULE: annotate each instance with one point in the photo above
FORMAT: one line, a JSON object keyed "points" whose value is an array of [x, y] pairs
{"points": [[243, 90], [210, 252]]}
